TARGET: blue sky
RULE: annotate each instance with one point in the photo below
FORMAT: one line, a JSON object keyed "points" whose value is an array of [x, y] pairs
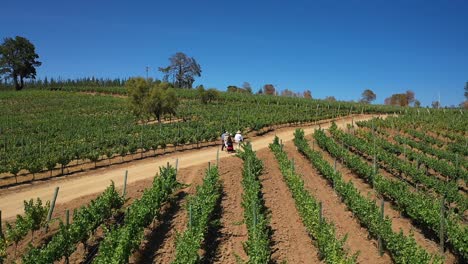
{"points": [[331, 47]]}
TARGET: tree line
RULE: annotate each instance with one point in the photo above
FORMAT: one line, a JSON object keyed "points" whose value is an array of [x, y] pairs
{"points": [[18, 62]]}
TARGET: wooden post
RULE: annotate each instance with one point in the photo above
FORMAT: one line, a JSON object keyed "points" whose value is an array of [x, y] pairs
{"points": [[176, 165], [441, 227], [209, 165], [217, 157], [380, 244], [51, 209], [320, 213], [1, 230], [124, 191], [190, 216], [67, 217]]}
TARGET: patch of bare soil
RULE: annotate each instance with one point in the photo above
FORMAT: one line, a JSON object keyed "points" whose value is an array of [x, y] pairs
{"points": [[290, 241], [337, 212], [233, 231], [399, 222]]}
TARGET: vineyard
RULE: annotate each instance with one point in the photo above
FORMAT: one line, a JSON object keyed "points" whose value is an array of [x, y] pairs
{"points": [[344, 187], [61, 130]]}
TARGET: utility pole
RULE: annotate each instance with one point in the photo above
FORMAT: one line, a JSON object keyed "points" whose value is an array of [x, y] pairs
{"points": [[439, 100], [147, 69]]}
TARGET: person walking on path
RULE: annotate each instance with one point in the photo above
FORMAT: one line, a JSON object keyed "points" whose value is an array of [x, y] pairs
{"points": [[223, 139], [238, 138]]}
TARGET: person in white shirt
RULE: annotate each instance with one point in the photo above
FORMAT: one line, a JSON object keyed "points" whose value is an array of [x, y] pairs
{"points": [[238, 138]]}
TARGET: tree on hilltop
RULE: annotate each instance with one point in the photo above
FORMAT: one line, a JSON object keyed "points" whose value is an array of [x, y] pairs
{"points": [[151, 98], [269, 89], [368, 96], [18, 60], [181, 71]]}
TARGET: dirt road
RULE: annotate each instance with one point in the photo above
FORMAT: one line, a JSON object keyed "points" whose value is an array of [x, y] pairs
{"points": [[11, 200]]}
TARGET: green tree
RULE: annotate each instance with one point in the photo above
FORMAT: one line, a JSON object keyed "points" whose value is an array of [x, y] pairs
{"points": [[151, 98], [417, 103], [182, 70], [18, 60], [137, 89], [269, 89], [207, 96], [161, 101], [368, 96]]}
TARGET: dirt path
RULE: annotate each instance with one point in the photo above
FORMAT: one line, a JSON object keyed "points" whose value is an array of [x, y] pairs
{"points": [[233, 231], [398, 222], [291, 242], [336, 211], [11, 200]]}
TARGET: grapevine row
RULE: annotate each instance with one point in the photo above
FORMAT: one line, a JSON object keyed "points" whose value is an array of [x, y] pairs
{"points": [[330, 247], [200, 209], [119, 243], [255, 213], [85, 222], [393, 163], [420, 207], [403, 249], [438, 165]]}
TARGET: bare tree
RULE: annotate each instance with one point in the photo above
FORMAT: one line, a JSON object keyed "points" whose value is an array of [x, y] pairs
{"points": [[181, 71]]}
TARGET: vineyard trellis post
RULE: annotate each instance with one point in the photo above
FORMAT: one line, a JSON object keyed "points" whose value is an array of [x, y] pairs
{"points": [[379, 239], [1, 230], [124, 191], [190, 216], [67, 223], [320, 212], [441, 227], [67, 218], [238, 117], [51, 209], [217, 157], [176, 165]]}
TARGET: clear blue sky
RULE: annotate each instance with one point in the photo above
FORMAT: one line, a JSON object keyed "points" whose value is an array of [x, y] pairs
{"points": [[330, 47]]}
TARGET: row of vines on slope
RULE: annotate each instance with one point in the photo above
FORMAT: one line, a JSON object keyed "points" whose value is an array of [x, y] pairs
{"points": [[255, 213], [330, 247], [403, 249], [422, 208], [200, 208], [119, 243]]}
